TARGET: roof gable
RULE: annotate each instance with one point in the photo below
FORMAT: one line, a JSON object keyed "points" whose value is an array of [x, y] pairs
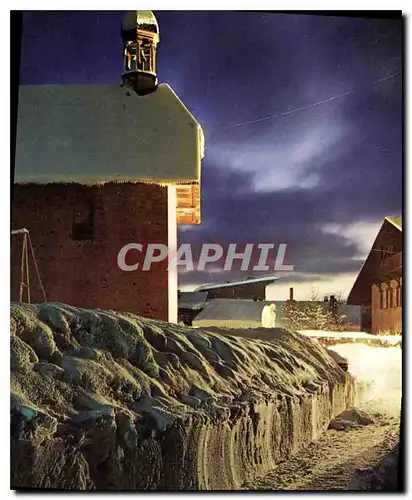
{"points": [[395, 221], [370, 270]]}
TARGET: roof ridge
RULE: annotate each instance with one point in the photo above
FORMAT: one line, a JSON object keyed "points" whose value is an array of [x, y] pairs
{"points": [[395, 221]]}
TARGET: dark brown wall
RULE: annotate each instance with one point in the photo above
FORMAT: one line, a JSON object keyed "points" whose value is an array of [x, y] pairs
{"points": [[366, 318], [85, 273], [371, 273]]}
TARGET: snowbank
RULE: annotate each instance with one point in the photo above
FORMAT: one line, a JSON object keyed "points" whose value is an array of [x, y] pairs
{"points": [[332, 338], [115, 401], [378, 372]]}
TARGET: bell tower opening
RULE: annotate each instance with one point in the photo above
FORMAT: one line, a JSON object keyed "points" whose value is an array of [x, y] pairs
{"points": [[140, 35]]}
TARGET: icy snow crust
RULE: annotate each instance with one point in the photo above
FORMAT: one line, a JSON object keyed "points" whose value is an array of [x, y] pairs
{"points": [[110, 400]]}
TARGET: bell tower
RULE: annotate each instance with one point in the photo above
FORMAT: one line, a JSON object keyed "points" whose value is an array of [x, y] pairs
{"points": [[140, 34]]}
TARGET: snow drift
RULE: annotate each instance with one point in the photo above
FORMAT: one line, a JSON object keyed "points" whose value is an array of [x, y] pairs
{"points": [[104, 400], [378, 371]]}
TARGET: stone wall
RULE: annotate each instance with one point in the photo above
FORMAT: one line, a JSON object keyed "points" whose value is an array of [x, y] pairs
{"points": [[103, 400]]}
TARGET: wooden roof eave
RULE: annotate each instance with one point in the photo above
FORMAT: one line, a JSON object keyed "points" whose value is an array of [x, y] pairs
{"points": [[188, 204]]}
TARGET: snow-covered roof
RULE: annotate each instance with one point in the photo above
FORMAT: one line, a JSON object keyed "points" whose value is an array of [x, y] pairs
{"points": [[192, 300], [232, 309], [92, 134], [248, 281]]}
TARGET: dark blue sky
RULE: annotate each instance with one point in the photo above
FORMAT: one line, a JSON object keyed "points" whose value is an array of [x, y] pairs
{"points": [[320, 179]]}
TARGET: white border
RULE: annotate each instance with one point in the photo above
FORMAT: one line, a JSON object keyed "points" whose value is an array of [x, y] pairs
{"points": [[172, 250], [4, 185]]}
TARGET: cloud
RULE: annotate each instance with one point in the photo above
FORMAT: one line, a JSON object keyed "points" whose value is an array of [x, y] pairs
{"points": [[361, 233], [327, 230], [280, 158]]}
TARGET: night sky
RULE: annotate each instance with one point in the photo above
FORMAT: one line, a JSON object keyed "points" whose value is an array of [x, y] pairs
{"points": [[320, 179]]}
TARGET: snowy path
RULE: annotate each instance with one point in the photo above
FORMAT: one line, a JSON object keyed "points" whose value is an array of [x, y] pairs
{"points": [[329, 463]]}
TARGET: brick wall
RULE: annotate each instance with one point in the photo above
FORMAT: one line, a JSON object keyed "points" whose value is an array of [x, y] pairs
{"points": [[85, 273]]}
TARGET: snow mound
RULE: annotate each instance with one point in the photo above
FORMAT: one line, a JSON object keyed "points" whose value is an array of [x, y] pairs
{"points": [[122, 358], [351, 418], [378, 372], [102, 399]]}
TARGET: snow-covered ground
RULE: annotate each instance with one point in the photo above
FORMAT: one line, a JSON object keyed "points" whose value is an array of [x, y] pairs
{"points": [[390, 339], [331, 463], [379, 370]]}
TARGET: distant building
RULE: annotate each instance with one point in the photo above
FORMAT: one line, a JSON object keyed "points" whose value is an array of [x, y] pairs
{"points": [[202, 309], [190, 305], [102, 166], [244, 313], [378, 287], [231, 313], [250, 288]]}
